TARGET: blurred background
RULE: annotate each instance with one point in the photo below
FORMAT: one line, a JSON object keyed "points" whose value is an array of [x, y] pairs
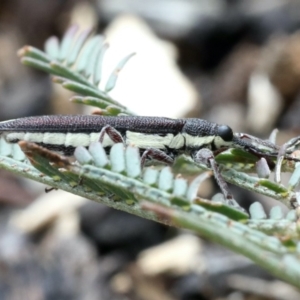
{"points": [[235, 62]]}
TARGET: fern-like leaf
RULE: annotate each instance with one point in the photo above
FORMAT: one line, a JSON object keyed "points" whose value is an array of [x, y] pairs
{"points": [[77, 62], [118, 181]]}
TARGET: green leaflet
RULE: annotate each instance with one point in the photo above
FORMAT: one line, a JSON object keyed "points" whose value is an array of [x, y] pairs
{"points": [[156, 194], [77, 61]]}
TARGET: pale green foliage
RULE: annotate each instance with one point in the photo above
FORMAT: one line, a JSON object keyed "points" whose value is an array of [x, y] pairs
{"points": [[118, 181]]}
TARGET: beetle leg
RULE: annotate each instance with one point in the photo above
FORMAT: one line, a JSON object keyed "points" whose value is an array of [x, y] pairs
{"points": [[156, 154], [206, 156], [114, 135]]}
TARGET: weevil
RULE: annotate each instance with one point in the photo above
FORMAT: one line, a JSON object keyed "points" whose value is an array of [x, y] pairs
{"points": [[158, 138]]}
